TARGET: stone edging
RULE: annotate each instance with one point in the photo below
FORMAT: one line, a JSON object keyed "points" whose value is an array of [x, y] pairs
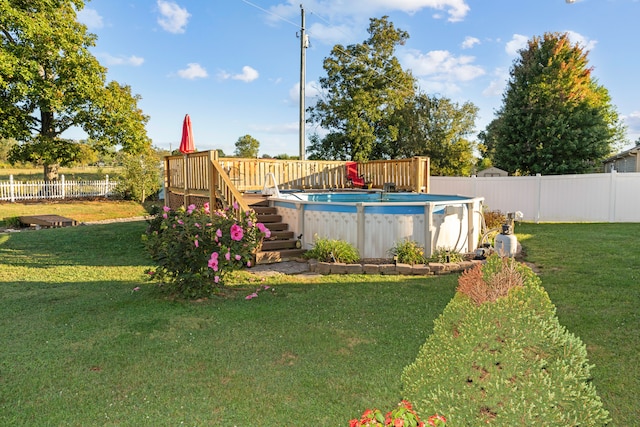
{"points": [[432, 268]]}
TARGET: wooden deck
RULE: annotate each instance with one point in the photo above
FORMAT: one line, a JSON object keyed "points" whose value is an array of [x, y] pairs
{"points": [[48, 221]]}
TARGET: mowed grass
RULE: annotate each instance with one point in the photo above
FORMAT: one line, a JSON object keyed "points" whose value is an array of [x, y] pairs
{"points": [[83, 347], [592, 274], [79, 210]]}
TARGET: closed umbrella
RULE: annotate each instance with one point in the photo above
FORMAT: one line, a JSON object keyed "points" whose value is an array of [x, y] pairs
{"points": [[186, 146], [186, 143]]}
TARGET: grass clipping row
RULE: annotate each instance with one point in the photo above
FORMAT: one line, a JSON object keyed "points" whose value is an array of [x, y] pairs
{"points": [[499, 356]]}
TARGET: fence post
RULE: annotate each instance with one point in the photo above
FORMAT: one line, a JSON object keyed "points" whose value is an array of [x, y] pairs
{"points": [[12, 192], [612, 195], [62, 190]]}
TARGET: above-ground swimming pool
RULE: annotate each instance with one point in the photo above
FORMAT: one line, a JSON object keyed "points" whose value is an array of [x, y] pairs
{"points": [[375, 221]]}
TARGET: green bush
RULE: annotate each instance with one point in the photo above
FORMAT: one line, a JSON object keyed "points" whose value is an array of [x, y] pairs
{"points": [[499, 356], [408, 252], [331, 250], [445, 255]]}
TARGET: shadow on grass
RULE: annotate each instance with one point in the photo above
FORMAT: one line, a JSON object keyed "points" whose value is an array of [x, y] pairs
{"points": [[117, 244]]}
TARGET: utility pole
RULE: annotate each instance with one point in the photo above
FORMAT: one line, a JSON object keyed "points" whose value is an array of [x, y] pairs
{"points": [[304, 44]]}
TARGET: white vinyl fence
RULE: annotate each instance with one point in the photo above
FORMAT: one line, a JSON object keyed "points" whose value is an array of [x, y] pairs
{"points": [[62, 189], [600, 197]]}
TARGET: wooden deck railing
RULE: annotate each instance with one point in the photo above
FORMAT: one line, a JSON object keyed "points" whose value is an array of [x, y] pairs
{"points": [[200, 177]]}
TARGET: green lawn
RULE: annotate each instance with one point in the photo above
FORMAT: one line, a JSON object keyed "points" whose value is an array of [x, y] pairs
{"points": [[81, 346]]}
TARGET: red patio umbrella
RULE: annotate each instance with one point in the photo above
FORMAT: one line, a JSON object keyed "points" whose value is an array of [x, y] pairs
{"points": [[186, 144]]}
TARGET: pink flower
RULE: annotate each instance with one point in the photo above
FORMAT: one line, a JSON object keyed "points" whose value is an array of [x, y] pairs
{"points": [[197, 225], [248, 263], [216, 279], [238, 257], [206, 208], [190, 209], [265, 287], [196, 242], [228, 256], [166, 208], [235, 205], [181, 222], [264, 229], [136, 289], [213, 261], [236, 232], [253, 295], [165, 216], [219, 233]]}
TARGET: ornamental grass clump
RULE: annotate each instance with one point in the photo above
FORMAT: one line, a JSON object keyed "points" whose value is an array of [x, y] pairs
{"points": [[331, 250], [408, 252], [499, 356], [194, 248]]}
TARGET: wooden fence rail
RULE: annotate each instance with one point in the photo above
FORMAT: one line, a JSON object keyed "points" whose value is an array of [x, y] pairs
{"points": [[199, 177], [12, 190]]}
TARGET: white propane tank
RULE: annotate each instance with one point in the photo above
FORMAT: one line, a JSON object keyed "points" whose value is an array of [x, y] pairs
{"points": [[506, 245]]}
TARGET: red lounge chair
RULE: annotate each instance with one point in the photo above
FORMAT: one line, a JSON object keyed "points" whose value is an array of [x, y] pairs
{"points": [[353, 179]]}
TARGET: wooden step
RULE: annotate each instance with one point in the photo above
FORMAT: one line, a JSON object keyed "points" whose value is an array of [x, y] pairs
{"points": [[276, 245], [269, 218], [255, 199], [265, 210], [279, 256], [280, 235], [276, 226]]}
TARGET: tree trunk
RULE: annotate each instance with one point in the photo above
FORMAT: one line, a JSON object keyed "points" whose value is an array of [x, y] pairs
{"points": [[51, 172]]}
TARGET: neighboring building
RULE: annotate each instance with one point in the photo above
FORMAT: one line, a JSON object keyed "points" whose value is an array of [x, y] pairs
{"points": [[492, 171], [626, 161]]}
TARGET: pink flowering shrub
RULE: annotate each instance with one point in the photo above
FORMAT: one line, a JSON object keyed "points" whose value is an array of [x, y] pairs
{"points": [[194, 248]]}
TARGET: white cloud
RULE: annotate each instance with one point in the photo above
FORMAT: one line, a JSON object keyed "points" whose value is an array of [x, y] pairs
{"points": [[497, 85], [133, 60], [633, 122], [583, 41], [193, 71], [470, 42], [173, 17], [517, 42], [248, 75], [91, 18], [310, 93], [442, 65], [456, 10]]}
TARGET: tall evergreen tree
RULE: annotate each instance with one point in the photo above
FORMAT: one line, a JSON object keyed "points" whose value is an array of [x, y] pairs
{"points": [[555, 118]]}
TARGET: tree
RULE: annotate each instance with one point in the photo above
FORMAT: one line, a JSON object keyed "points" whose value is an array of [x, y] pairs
{"points": [[555, 118], [141, 176], [364, 86], [50, 82], [247, 147], [437, 128]]}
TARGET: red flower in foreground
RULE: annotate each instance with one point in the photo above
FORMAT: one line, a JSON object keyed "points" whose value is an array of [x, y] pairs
{"points": [[436, 420]]}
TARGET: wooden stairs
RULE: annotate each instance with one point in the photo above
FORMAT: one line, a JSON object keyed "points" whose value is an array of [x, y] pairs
{"points": [[283, 245]]}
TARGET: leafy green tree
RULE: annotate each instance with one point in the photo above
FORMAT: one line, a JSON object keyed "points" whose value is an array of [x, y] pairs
{"points": [[141, 176], [555, 118], [50, 82], [364, 86], [247, 147], [5, 147], [437, 128]]}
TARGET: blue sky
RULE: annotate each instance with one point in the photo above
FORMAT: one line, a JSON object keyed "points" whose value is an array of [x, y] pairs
{"points": [[234, 65]]}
